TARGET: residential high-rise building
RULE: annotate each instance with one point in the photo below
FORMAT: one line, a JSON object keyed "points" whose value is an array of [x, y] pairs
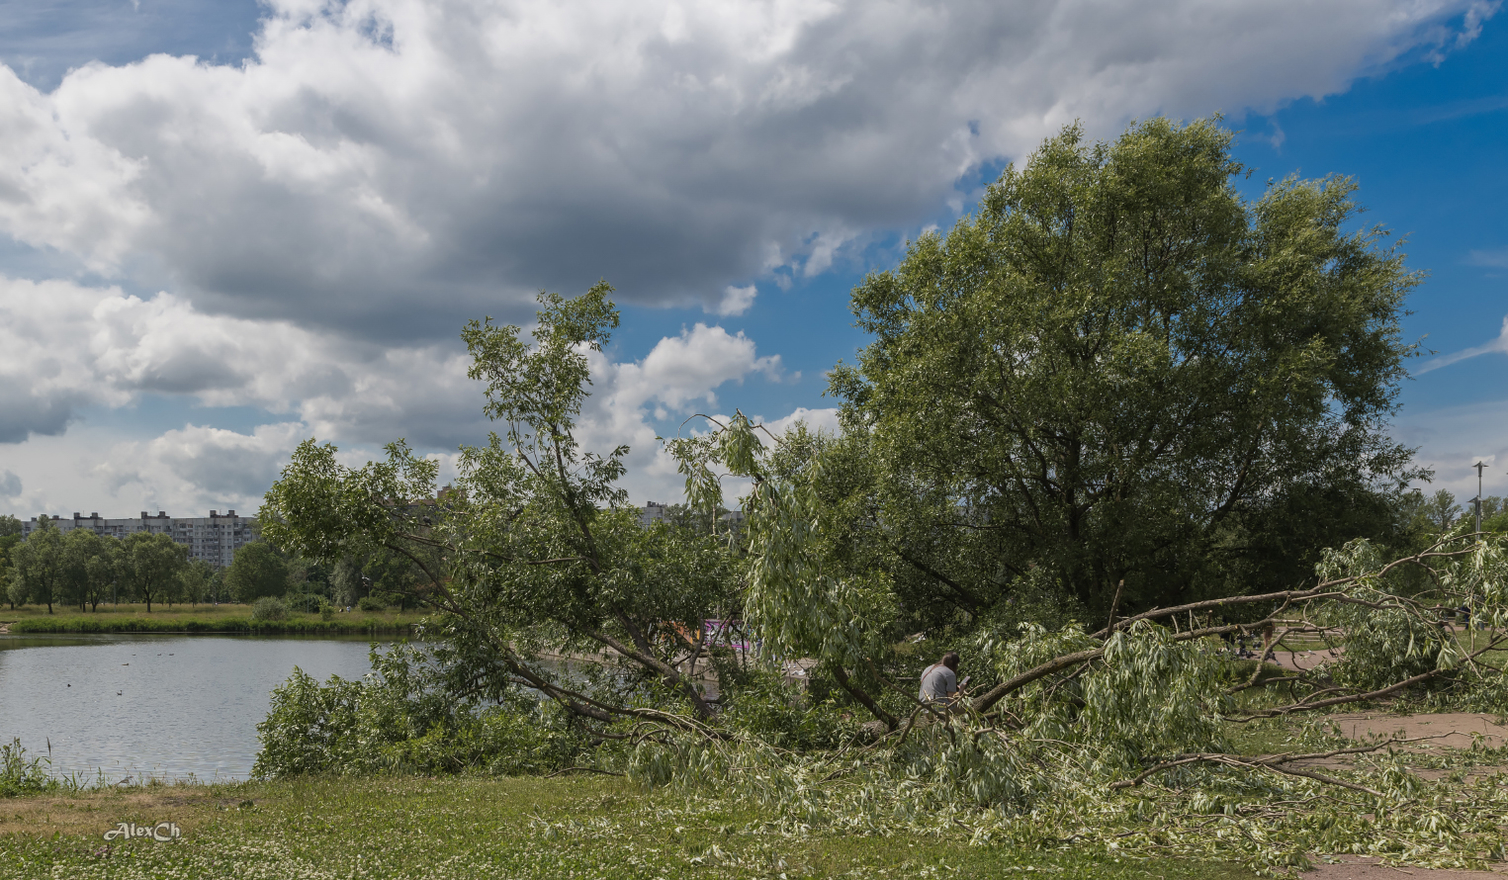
{"points": [[214, 538]]}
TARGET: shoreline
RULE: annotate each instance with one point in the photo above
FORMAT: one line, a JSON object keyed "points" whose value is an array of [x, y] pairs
{"points": [[220, 626]]}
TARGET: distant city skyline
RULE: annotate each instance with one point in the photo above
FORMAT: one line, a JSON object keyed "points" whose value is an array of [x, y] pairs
{"points": [[230, 226]]}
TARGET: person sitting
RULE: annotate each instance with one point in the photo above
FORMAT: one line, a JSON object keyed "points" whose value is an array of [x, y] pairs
{"points": [[940, 680]]}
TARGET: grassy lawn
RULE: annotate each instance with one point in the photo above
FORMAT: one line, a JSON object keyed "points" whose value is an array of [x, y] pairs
{"points": [[196, 618], [466, 828]]}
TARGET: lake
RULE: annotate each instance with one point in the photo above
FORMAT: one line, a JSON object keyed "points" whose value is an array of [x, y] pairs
{"points": [[156, 705]]}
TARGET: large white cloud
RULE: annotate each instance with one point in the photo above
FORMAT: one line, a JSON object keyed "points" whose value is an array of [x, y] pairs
{"points": [[65, 346], [325, 215], [67, 350], [391, 166], [202, 463]]}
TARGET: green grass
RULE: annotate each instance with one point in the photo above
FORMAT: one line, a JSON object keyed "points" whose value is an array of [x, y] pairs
{"points": [[202, 619], [376, 829]]}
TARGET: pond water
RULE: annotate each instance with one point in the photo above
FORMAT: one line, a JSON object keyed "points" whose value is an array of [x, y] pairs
{"points": [[157, 705]]}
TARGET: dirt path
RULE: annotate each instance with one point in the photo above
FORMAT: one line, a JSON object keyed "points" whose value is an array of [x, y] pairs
{"points": [[1303, 661], [1366, 868], [1454, 730], [1451, 730]]}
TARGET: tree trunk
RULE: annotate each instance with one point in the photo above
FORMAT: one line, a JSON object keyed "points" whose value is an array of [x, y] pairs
{"points": [[864, 699]]}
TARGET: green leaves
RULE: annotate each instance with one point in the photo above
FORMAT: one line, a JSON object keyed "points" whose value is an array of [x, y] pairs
{"points": [[531, 550], [538, 390], [403, 720], [1133, 373], [321, 509], [257, 572]]}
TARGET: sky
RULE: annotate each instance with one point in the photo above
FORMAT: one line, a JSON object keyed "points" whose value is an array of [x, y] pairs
{"points": [[228, 226]]}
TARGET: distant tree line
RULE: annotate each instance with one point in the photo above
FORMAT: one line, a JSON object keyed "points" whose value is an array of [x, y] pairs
{"points": [[1438, 515], [82, 569]]}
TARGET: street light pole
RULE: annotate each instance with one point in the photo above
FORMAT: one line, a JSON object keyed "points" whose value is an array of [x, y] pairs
{"points": [[1479, 466]]}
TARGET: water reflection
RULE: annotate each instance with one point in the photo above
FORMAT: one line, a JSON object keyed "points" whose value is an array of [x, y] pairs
{"points": [[165, 705]]}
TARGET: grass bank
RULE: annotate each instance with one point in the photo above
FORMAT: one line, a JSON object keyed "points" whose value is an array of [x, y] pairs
{"points": [[596, 827], [204, 619]]}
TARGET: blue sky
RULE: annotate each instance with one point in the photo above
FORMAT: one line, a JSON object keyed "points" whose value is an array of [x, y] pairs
{"points": [[1424, 138], [203, 262]]}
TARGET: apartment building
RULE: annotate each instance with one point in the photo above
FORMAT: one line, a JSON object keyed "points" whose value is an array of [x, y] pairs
{"points": [[214, 538], [654, 512]]}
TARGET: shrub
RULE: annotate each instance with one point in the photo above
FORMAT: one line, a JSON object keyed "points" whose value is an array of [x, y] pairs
{"points": [[371, 603], [269, 608], [326, 612], [403, 721]]}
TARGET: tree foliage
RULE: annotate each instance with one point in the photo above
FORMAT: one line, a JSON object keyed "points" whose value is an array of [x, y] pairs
{"points": [[150, 563], [196, 580], [256, 571], [532, 551], [36, 565], [406, 721], [87, 567], [1120, 369]]}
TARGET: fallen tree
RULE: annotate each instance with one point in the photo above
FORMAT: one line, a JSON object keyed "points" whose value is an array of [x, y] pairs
{"points": [[1113, 733]]}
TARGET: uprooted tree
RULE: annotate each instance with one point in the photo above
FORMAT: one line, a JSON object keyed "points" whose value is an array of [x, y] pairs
{"points": [[564, 637]]}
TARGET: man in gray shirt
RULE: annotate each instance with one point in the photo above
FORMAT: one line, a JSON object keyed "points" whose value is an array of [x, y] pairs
{"points": [[940, 680]]}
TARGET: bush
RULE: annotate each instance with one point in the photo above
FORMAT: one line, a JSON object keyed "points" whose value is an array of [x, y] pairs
{"points": [[326, 612], [269, 608], [312, 603], [404, 721], [371, 603]]}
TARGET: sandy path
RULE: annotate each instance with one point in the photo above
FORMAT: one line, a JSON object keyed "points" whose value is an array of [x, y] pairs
{"points": [[1302, 661], [1366, 868], [1457, 728]]}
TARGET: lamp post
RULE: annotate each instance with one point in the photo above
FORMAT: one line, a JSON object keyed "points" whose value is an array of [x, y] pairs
{"points": [[1480, 467]]}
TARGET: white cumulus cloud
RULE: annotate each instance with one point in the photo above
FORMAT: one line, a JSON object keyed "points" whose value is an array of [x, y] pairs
{"points": [[67, 350], [375, 154], [202, 463], [735, 301], [65, 346]]}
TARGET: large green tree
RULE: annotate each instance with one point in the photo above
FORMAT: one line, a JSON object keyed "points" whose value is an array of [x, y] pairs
{"points": [[87, 567], [149, 565], [256, 571], [195, 581], [1120, 369], [104, 572], [7, 544], [37, 564]]}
